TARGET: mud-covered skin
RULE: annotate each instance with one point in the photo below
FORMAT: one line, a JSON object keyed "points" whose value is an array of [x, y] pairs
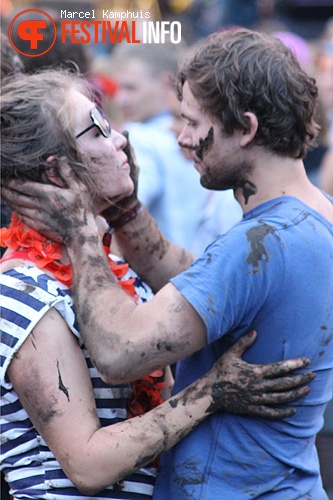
{"points": [[248, 189], [256, 387], [61, 385], [238, 388], [92, 278], [142, 237], [204, 144], [252, 384], [57, 212], [43, 404], [97, 279], [255, 390]]}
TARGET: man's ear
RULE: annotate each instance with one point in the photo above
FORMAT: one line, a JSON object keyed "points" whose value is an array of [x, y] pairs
{"points": [[52, 173], [249, 134]]}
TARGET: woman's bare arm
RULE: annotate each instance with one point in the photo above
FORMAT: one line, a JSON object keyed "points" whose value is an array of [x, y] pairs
{"points": [[50, 376]]}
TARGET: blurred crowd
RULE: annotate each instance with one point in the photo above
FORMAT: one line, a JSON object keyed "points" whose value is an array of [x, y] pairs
{"points": [[134, 85]]}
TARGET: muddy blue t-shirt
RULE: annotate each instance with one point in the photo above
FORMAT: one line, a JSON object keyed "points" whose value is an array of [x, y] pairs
{"points": [[273, 273]]}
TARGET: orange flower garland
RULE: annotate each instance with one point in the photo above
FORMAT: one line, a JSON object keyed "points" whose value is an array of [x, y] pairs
{"points": [[45, 254], [31, 245]]}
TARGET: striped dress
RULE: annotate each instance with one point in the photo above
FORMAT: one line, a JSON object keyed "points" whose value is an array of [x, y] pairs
{"points": [[29, 466]]}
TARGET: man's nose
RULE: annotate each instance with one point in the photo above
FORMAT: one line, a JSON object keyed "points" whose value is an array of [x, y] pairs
{"points": [[184, 140]]}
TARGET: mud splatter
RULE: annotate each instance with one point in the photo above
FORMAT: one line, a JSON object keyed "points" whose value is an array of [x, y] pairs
{"points": [[143, 461], [189, 476], [32, 339], [61, 385], [327, 341], [28, 288], [118, 486], [163, 346], [249, 189], [258, 250], [204, 144]]}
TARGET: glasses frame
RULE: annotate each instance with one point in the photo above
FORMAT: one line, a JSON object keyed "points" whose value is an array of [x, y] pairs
{"points": [[100, 121]]}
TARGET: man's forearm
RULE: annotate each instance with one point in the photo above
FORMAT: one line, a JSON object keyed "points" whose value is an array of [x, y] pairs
{"points": [[103, 308], [149, 253]]}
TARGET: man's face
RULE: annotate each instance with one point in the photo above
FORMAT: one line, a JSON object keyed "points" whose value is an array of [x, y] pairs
{"points": [[103, 155], [140, 96], [218, 157]]}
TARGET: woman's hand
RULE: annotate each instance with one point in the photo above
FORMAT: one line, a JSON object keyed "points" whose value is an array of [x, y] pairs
{"points": [[248, 389]]}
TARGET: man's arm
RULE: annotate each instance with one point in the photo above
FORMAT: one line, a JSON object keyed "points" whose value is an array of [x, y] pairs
{"points": [[155, 258], [59, 213], [124, 340]]}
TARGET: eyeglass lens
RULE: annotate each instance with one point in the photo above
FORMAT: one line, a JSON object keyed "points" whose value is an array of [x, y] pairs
{"points": [[100, 121]]}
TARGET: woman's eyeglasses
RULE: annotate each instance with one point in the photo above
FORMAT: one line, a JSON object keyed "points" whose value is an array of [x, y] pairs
{"points": [[100, 121]]}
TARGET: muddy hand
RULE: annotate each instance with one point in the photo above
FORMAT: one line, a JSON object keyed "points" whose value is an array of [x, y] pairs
{"points": [[250, 389], [114, 212], [48, 208]]}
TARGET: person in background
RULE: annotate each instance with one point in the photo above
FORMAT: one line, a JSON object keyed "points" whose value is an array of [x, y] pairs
{"points": [[326, 173], [324, 75], [250, 118], [304, 53]]}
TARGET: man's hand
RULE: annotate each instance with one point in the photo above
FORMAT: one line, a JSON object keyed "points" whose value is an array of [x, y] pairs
{"points": [[55, 211], [249, 389]]}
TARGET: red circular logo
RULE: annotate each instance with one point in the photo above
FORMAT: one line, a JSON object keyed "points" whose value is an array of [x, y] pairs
{"points": [[32, 32]]}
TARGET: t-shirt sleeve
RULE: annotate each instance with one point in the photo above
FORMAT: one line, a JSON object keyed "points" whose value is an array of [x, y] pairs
{"points": [[230, 282]]}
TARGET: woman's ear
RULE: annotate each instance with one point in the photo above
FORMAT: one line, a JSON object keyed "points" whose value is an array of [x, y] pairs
{"points": [[249, 134], [52, 172]]}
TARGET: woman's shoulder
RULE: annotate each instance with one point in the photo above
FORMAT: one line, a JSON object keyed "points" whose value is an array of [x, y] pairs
{"points": [[26, 295]]}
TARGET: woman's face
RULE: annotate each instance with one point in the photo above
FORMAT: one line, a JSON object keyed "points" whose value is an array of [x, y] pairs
{"points": [[103, 155]]}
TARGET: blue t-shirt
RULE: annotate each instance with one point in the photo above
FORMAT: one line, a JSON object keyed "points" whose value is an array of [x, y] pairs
{"points": [[272, 272]]}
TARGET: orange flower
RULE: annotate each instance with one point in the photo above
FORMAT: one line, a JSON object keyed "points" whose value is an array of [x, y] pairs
{"points": [[8, 238], [146, 394], [64, 274], [16, 236], [119, 270], [44, 253]]}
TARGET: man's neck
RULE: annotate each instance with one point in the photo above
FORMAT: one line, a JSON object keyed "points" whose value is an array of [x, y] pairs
{"points": [[273, 177]]}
